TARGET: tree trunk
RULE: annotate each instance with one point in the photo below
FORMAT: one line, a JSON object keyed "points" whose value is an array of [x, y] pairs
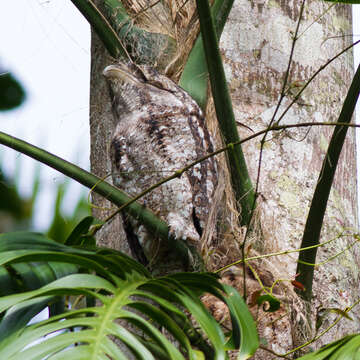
{"points": [[101, 129], [256, 45]]}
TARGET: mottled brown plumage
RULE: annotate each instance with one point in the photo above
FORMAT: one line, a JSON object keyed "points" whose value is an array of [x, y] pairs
{"points": [[159, 129]]}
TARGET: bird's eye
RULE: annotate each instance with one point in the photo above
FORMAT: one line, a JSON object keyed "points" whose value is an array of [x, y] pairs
{"points": [[156, 83], [162, 85], [138, 72]]}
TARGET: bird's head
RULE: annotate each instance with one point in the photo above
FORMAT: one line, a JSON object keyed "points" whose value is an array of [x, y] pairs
{"points": [[132, 87]]}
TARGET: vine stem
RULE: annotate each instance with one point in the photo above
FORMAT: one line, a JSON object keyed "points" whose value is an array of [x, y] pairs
{"points": [[229, 146], [286, 252], [116, 196]]}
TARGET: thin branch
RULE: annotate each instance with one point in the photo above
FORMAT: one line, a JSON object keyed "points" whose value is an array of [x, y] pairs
{"points": [[315, 20], [312, 78], [282, 95], [274, 353], [287, 252], [180, 172], [340, 317], [287, 72], [329, 258], [116, 196]]}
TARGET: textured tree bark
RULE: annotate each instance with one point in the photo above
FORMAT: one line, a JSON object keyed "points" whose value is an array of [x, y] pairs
{"points": [[256, 45], [101, 128]]}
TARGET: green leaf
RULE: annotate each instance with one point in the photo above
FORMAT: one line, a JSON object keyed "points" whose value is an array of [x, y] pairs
{"points": [[271, 300], [19, 315], [9, 283], [77, 236], [195, 76], [346, 348], [314, 221], [206, 60], [350, 350], [10, 200], [119, 284], [240, 179], [246, 340], [12, 93]]}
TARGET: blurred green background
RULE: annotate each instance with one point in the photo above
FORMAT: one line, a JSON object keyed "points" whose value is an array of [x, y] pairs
{"points": [[17, 211]]}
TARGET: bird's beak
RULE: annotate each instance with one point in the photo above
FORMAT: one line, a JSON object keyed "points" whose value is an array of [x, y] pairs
{"points": [[122, 74]]}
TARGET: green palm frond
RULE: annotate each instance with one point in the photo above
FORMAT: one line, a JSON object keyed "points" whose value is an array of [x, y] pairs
{"points": [[346, 348], [133, 308]]}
